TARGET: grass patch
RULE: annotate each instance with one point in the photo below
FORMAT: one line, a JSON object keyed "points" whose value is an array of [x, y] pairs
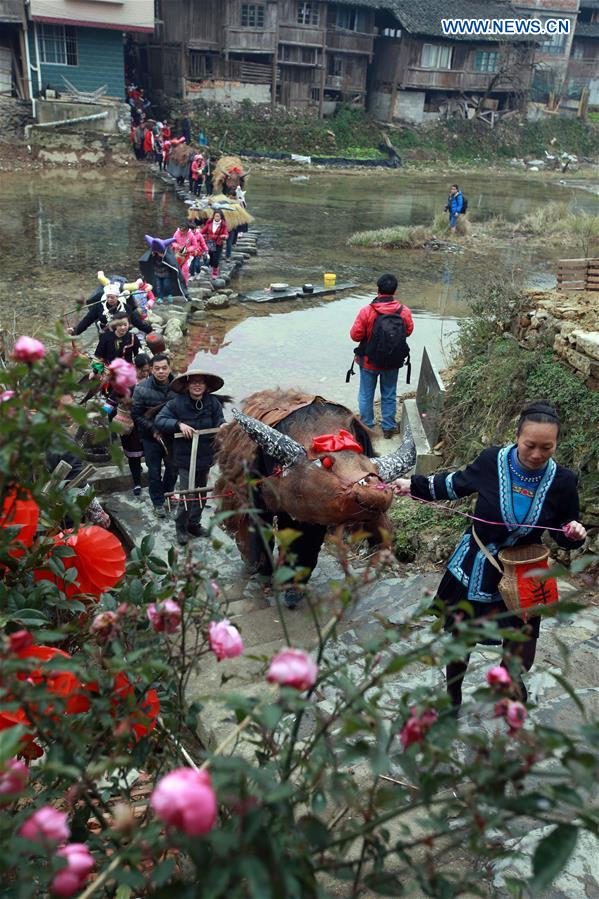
{"points": [[401, 237], [424, 532]]}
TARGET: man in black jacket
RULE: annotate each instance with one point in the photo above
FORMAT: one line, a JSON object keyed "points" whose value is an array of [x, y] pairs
{"points": [[148, 397], [194, 409], [107, 302]]}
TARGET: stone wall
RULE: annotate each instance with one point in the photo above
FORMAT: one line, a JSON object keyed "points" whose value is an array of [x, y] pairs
{"points": [[570, 324], [15, 115], [65, 147]]}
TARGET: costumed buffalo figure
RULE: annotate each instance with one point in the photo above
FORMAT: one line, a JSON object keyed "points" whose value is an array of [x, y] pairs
{"points": [[312, 465]]}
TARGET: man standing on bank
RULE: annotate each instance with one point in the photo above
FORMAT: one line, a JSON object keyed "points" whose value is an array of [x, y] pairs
{"points": [[194, 409], [148, 398], [382, 328]]}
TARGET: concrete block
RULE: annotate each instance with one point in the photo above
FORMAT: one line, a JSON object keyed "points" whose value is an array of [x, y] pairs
{"points": [[430, 398], [587, 342], [426, 460]]}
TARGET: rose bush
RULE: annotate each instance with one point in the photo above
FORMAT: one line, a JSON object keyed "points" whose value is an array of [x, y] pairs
{"points": [[338, 778]]}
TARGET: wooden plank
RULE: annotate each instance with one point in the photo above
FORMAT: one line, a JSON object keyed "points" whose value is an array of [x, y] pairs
{"points": [[572, 268], [566, 261]]}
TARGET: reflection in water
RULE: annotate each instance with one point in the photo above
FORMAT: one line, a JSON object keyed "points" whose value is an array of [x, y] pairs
{"points": [[62, 226], [310, 348]]}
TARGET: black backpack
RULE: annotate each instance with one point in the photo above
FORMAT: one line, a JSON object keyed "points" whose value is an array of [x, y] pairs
{"points": [[464, 205], [388, 346]]}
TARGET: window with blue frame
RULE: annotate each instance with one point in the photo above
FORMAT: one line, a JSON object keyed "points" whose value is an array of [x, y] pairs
{"points": [[58, 45]]}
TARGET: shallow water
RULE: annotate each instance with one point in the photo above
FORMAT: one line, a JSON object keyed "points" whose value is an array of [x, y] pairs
{"points": [[58, 228]]}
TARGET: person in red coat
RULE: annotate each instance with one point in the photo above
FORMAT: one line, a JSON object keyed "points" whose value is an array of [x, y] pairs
{"points": [[215, 233], [370, 372], [149, 142]]}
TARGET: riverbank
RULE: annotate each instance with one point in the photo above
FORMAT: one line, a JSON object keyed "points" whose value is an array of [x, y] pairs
{"points": [[351, 134]]}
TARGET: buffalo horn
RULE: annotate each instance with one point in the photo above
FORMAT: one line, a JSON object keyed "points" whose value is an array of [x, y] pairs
{"points": [[399, 461], [279, 446]]}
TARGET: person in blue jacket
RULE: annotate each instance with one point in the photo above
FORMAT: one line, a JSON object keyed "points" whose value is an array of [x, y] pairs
{"points": [[455, 205]]}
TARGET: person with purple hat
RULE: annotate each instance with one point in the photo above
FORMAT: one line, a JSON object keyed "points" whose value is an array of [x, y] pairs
{"points": [[159, 267]]}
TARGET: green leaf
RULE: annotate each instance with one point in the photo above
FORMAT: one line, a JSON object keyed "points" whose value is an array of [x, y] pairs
{"points": [[147, 545], [270, 716], [123, 892], [30, 617], [9, 741], [551, 855], [257, 877]]}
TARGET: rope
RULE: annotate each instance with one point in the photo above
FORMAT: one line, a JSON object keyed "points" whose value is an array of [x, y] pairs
{"points": [[202, 499], [503, 524]]}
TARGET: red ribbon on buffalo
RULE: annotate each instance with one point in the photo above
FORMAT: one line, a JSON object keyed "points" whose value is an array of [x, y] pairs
{"points": [[333, 443]]}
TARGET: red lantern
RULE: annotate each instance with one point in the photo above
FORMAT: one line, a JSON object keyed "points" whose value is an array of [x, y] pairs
{"points": [[29, 748], [20, 512], [62, 683], [142, 719], [99, 560]]}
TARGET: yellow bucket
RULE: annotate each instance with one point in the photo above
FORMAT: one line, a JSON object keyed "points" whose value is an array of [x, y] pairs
{"points": [[330, 279]]}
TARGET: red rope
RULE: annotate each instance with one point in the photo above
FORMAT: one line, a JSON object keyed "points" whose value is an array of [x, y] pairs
{"points": [[503, 524]]}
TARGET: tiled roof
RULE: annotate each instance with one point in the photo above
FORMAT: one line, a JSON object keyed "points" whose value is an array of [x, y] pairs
{"points": [[424, 16]]}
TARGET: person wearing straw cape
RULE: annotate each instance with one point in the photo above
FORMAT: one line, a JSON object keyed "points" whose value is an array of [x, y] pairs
{"points": [[522, 492], [194, 409]]}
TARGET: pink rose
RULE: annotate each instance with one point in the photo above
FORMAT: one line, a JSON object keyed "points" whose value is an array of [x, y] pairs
{"points": [[6, 395], [293, 668], [122, 376], [225, 640], [513, 712], [498, 677], [185, 800], [46, 825], [515, 715], [28, 349], [165, 616], [72, 879], [20, 640], [13, 778], [416, 727], [104, 625]]}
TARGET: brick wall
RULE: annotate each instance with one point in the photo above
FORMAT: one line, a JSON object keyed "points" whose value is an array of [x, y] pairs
{"points": [[100, 58]]}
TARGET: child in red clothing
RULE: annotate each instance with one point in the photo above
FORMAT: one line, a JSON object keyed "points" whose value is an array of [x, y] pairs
{"points": [[215, 233]]}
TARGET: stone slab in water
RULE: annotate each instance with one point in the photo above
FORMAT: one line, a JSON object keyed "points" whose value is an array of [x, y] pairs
{"points": [[268, 296]]}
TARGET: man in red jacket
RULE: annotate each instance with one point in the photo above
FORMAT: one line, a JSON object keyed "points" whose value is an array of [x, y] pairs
{"points": [[389, 349]]}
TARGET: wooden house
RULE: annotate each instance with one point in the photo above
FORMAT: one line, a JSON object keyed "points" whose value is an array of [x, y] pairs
{"points": [[583, 64], [301, 53], [419, 72]]}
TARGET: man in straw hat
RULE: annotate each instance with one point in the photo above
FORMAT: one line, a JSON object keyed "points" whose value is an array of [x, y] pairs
{"points": [[194, 409]]}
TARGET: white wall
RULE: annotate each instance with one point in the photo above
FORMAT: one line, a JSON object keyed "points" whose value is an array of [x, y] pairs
{"points": [[228, 92], [129, 15]]}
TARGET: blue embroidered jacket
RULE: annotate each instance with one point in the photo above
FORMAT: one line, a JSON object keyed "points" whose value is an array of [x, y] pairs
{"points": [[555, 503]]}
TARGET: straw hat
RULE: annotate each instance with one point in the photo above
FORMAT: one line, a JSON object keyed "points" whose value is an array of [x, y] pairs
{"points": [[213, 382]]}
